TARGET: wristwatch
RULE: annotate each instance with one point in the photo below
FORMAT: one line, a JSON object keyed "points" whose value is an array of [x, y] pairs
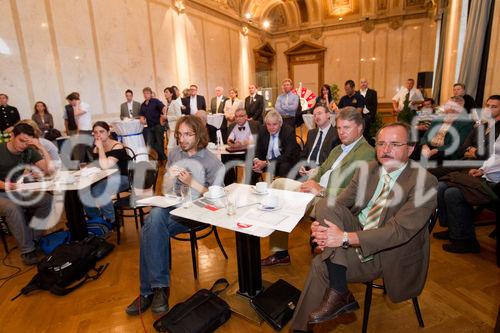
{"points": [[322, 192], [345, 241]]}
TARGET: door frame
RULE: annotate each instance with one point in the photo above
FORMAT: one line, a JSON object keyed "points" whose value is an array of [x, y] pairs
{"points": [[307, 53]]}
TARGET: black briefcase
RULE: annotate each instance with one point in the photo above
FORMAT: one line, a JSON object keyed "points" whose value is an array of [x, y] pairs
{"points": [[203, 312], [276, 303]]}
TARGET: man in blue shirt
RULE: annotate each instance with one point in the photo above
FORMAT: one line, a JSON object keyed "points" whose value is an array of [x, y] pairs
{"points": [[287, 103]]}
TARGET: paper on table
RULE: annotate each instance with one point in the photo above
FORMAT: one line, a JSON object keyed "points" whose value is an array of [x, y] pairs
{"points": [[85, 172], [158, 201], [34, 186]]}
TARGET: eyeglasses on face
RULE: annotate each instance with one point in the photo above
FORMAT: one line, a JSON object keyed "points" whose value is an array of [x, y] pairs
{"points": [[185, 134], [391, 145]]}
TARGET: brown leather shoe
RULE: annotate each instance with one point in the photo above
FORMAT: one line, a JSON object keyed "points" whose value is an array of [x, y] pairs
{"points": [[273, 260], [333, 304]]}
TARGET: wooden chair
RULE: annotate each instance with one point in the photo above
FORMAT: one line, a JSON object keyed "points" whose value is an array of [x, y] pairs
{"points": [[4, 230]]}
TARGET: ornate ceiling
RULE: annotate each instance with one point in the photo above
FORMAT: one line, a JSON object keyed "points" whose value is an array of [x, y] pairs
{"points": [[293, 15]]}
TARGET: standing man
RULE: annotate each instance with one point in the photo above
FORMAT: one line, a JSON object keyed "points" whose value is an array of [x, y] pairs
{"points": [[254, 104], [190, 164], [370, 109], [287, 103], [276, 146], [77, 116], [9, 116], [193, 102], [131, 108], [351, 97], [408, 94], [153, 113], [459, 90], [217, 103], [382, 233]]}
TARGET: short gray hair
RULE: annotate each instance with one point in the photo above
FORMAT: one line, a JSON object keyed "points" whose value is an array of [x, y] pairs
{"points": [[350, 113], [273, 115]]}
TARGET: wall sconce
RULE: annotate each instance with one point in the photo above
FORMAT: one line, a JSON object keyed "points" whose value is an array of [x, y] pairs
{"points": [[244, 30], [266, 24], [248, 17], [179, 6]]}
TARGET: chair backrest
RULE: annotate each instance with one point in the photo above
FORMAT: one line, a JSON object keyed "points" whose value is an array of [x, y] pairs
{"points": [[432, 220], [130, 152], [300, 141], [142, 175]]}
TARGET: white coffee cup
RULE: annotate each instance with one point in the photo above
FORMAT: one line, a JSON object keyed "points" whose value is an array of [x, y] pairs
{"points": [[261, 187], [215, 191], [212, 145], [270, 201]]}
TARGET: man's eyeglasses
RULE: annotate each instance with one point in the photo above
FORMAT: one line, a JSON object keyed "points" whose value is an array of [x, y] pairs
{"points": [[185, 135], [391, 145]]}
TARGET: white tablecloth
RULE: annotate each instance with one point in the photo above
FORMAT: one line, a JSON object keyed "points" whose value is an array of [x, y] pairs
{"points": [[216, 121], [130, 134]]}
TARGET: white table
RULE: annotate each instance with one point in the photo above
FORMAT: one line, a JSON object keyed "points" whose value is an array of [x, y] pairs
{"points": [[222, 150], [72, 204], [248, 236], [216, 120]]}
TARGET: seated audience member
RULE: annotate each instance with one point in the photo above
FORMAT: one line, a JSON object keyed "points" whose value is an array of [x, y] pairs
{"points": [[106, 154], [191, 164], [425, 115], [477, 144], [320, 140], [42, 117], [241, 132], [254, 104], [211, 130], [456, 203], [352, 97], [24, 149], [9, 115], [330, 178], [440, 140], [469, 102], [276, 148], [55, 159], [381, 234]]}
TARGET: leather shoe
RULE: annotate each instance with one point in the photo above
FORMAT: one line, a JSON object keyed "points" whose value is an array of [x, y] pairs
{"points": [[441, 235], [462, 246], [160, 300], [334, 303], [139, 305], [273, 260]]}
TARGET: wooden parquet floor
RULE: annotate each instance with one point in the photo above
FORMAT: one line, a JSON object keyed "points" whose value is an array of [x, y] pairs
{"points": [[462, 293]]}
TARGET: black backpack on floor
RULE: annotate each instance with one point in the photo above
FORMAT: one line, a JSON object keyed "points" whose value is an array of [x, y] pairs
{"points": [[68, 267]]}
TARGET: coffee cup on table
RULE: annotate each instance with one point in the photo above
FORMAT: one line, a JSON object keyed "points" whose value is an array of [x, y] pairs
{"points": [[270, 202], [215, 191], [261, 187]]}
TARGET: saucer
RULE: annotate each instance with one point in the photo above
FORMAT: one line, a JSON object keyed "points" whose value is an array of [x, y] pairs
{"points": [[206, 195], [254, 190], [260, 207]]}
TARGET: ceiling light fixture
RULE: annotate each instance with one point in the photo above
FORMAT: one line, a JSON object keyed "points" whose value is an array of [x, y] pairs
{"points": [[179, 6], [266, 24]]}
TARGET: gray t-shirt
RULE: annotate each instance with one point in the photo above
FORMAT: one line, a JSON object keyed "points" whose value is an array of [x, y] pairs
{"points": [[204, 166], [9, 161]]}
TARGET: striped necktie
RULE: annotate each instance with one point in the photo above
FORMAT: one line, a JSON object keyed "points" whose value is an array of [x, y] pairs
{"points": [[373, 217]]}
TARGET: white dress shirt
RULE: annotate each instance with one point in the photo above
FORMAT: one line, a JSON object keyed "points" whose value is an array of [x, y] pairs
{"points": [[193, 104], [415, 95], [273, 146], [325, 132], [243, 135], [84, 121], [491, 167], [323, 182]]}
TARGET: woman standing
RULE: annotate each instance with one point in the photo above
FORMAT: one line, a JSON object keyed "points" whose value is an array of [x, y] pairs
{"points": [[107, 154], [173, 112], [232, 104], [325, 99], [42, 117]]}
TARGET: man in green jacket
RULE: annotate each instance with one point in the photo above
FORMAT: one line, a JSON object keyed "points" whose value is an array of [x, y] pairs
{"points": [[330, 178]]}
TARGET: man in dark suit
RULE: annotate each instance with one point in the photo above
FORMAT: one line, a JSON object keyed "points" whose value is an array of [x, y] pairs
{"points": [[217, 103], [320, 140], [459, 90], [276, 150], [254, 104], [193, 103], [131, 108], [382, 233], [370, 110]]}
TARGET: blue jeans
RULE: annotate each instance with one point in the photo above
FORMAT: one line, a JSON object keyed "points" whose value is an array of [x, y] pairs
{"points": [[455, 213], [97, 202], [155, 240]]}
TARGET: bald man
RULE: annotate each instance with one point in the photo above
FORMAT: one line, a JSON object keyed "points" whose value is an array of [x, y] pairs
{"points": [[370, 109]]}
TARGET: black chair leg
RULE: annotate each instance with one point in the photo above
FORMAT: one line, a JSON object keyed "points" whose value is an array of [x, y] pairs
{"points": [[221, 247], [118, 226], [141, 217], [417, 312], [368, 303], [170, 254], [135, 219], [4, 241], [192, 240]]}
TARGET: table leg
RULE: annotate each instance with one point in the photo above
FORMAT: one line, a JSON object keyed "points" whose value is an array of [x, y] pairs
{"points": [[249, 270], [75, 215]]}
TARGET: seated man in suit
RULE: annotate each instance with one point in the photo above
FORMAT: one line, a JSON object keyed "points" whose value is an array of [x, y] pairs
{"points": [[194, 102], [191, 164], [254, 104], [330, 178], [276, 149], [320, 140], [377, 227]]}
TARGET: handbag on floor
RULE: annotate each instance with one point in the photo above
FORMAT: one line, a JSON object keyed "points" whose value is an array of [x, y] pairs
{"points": [[203, 312], [277, 303]]}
